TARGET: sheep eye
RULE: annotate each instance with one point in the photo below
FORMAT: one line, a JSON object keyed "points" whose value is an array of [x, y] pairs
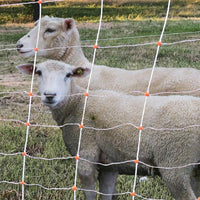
{"points": [[49, 30], [68, 75], [39, 73]]}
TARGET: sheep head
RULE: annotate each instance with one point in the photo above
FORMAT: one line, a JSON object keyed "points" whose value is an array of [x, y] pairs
{"points": [[54, 36], [54, 80]]}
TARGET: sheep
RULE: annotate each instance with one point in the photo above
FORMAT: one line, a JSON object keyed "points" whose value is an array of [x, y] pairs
{"points": [[107, 109], [59, 32]]}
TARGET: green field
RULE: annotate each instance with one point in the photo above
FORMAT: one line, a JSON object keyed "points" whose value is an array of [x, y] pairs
{"points": [[85, 10], [124, 23]]}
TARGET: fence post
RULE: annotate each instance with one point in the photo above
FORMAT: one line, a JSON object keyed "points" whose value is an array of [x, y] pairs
{"points": [[36, 11]]}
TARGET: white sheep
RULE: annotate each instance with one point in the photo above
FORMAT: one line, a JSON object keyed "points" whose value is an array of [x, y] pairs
{"points": [[106, 109], [59, 40]]}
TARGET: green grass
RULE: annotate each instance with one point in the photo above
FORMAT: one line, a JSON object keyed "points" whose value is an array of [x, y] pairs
{"points": [[47, 142], [142, 57], [113, 10]]}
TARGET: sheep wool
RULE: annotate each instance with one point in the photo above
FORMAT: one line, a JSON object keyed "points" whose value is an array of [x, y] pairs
{"points": [[59, 40], [170, 135]]}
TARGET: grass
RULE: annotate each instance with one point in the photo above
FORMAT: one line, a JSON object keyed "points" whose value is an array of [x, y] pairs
{"points": [[47, 142], [142, 57], [85, 10]]}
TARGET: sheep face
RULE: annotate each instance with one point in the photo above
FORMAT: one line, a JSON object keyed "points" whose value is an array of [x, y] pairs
{"points": [[54, 84], [54, 34], [54, 80]]}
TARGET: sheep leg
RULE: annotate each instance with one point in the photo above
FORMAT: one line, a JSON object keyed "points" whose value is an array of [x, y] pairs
{"points": [[87, 175], [107, 181], [87, 171], [178, 183], [195, 180]]}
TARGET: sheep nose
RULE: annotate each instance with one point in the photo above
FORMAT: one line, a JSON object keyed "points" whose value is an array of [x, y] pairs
{"points": [[19, 46], [49, 96]]}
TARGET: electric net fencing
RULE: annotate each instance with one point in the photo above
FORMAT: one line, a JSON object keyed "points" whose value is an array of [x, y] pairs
{"points": [[23, 183]]}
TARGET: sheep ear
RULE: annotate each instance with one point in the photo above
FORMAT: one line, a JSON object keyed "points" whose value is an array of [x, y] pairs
{"points": [[69, 24], [80, 72], [26, 68]]}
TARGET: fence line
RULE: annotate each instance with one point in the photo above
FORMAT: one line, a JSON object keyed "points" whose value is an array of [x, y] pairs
{"points": [[91, 95], [118, 38], [141, 128], [30, 104], [102, 129], [86, 98], [27, 3], [146, 97], [80, 189], [101, 164], [112, 47]]}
